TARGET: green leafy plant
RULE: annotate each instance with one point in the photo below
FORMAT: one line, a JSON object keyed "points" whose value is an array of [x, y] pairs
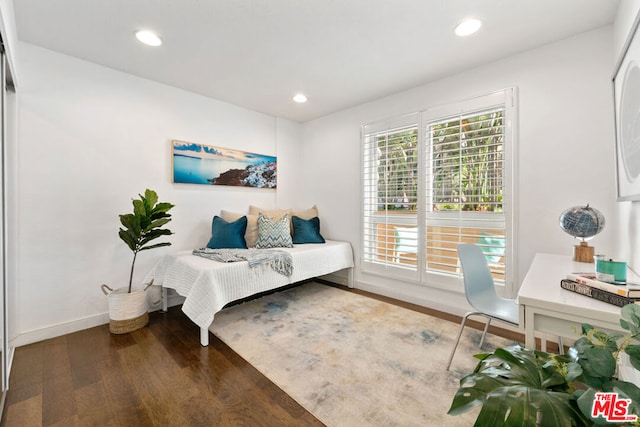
{"points": [[521, 387], [144, 225]]}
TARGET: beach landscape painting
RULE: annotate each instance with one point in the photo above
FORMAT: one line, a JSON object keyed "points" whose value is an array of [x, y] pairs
{"points": [[204, 164]]}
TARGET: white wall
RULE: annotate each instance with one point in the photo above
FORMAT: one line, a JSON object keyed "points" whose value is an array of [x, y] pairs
{"points": [[626, 214], [565, 150], [90, 139]]}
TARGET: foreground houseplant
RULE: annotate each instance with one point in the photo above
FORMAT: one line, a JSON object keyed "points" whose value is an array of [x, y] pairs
{"points": [[128, 306], [521, 387]]}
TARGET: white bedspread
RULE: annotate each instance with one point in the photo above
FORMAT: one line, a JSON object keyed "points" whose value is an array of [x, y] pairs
{"points": [[210, 285]]}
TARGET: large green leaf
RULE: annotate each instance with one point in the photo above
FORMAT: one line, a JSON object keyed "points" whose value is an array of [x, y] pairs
{"points": [[155, 224], [633, 351], [128, 239], [154, 234], [151, 197], [599, 362], [520, 405], [528, 367], [630, 390], [627, 390], [138, 208], [131, 222], [632, 313], [520, 387], [630, 318], [157, 245], [595, 354], [127, 220], [505, 368], [162, 208], [573, 371], [473, 391], [145, 222], [585, 403]]}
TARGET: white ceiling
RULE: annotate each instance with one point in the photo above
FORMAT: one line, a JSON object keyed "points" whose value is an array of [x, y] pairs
{"points": [[340, 53]]}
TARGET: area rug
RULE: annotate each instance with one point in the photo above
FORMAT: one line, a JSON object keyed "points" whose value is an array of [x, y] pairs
{"points": [[352, 360]]}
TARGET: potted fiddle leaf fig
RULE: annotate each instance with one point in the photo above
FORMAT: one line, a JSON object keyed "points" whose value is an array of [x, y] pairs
{"points": [[127, 305], [521, 387]]}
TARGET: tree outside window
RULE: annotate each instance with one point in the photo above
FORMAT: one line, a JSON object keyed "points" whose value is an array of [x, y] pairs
{"points": [[467, 163], [466, 166], [397, 155]]}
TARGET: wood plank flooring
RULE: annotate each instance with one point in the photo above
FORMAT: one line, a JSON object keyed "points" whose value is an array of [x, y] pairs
{"points": [[157, 376]]}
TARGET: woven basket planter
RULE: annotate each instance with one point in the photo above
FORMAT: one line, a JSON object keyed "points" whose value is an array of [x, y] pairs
{"points": [[127, 311]]}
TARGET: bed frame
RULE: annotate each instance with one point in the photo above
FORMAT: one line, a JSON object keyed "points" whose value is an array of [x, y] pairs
{"points": [[209, 285]]}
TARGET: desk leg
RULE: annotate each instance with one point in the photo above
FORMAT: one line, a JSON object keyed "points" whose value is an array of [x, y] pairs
{"points": [[529, 329]]}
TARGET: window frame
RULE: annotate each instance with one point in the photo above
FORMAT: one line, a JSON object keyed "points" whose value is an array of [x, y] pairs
{"points": [[505, 98]]}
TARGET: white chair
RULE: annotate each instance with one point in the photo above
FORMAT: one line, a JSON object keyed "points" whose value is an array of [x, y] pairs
{"points": [[481, 293]]}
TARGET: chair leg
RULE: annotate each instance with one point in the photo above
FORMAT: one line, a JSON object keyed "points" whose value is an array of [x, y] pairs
{"points": [[484, 333], [453, 351], [560, 345]]}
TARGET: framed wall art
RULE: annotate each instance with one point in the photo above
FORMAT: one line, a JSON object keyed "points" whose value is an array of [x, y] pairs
{"points": [[626, 96], [204, 164]]}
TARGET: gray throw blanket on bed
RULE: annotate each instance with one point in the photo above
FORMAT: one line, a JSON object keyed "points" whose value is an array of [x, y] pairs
{"points": [[280, 261]]}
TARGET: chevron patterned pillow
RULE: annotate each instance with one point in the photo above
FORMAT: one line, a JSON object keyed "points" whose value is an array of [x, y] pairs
{"points": [[273, 234]]}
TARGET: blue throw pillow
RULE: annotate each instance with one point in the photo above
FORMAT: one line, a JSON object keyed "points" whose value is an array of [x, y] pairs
{"points": [[306, 230], [228, 235]]}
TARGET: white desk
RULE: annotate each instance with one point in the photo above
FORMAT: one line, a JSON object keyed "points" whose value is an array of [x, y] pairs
{"points": [[547, 308]]}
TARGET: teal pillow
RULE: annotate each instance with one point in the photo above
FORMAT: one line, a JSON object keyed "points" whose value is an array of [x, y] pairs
{"points": [[273, 234], [492, 246], [306, 230], [228, 235]]}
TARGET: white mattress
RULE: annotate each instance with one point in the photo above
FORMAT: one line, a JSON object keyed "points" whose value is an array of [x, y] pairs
{"points": [[210, 285]]}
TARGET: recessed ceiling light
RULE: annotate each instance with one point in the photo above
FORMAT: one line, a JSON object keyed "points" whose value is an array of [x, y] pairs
{"points": [[467, 27], [300, 98], [149, 37]]}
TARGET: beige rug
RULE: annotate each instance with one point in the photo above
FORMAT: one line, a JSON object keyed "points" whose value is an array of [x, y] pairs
{"points": [[352, 360]]}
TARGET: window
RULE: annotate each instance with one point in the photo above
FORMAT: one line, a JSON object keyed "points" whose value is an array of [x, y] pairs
{"points": [[391, 182], [433, 180]]}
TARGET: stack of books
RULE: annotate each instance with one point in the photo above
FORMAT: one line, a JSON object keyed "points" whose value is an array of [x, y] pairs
{"points": [[587, 284]]}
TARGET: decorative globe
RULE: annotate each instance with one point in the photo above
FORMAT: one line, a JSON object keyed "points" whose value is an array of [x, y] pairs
{"points": [[582, 222]]}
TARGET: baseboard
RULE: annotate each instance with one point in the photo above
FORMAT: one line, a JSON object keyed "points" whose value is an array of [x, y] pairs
{"points": [[54, 331], [448, 303], [42, 334], [440, 301]]}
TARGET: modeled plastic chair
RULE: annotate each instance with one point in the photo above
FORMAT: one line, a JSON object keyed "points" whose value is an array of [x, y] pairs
{"points": [[481, 294]]}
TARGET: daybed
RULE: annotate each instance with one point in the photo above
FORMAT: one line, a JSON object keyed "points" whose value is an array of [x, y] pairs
{"points": [[210, 285], [262, 250]]}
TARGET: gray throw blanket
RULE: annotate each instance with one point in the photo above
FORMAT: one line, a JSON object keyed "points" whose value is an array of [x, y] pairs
{"points": [[280, 261]]}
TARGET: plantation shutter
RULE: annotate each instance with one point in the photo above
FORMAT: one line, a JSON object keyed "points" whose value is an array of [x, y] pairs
{"points": [[435, 179], [465, 188], [390, 200]]}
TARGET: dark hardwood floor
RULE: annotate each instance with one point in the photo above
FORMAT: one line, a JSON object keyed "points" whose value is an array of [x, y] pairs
{"points": [[156, 376]]}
